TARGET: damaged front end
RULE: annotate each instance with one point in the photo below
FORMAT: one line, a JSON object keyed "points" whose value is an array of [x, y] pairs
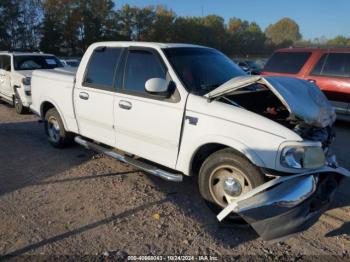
{"points": [[290, 202], [287, 205], [291, 102]]}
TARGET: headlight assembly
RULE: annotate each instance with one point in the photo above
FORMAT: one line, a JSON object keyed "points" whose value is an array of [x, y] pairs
{"points": [[302, 157], [26, 81]]}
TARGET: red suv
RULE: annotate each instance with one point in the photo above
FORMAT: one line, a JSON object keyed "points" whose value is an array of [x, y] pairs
{"points": [[327, 68]]}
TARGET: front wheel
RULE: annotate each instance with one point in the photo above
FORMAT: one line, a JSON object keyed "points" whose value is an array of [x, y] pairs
{"points": [[20, 109], [54, 128], [224, 176]]}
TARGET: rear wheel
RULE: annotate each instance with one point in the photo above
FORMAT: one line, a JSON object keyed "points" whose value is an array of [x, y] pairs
{"points": [[224, 176], [54, 128]]}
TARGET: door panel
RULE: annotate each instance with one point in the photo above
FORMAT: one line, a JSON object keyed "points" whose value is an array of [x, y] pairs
{"points": [[332, 74], [146, 125], [94, 97], [95, 113], [150, 128]]}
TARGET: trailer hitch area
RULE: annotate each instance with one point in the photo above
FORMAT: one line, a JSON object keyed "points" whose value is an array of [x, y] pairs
{"points": [[287, 205]]}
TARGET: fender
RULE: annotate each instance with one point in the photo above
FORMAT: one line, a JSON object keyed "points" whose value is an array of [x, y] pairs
{"points": [[46, 99], [187, 153]]}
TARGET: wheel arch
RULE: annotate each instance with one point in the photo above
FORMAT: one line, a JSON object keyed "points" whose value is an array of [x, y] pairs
{"points": [[206, 147], [46, 106]]}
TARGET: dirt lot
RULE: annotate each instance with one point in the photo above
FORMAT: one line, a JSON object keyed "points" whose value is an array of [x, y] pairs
{"points": [[71, 203]]}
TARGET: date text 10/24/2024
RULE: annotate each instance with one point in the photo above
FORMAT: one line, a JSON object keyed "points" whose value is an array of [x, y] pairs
{"points": [[172, 258]]}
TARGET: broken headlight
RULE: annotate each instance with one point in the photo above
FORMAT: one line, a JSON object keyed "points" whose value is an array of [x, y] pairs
{"points": [[303, 157]]}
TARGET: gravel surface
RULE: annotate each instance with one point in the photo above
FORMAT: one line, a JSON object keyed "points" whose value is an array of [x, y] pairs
{"points": [[74, 204]]}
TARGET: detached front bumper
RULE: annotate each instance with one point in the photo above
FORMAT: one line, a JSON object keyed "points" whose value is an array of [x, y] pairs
{"points": [[287, 205]]}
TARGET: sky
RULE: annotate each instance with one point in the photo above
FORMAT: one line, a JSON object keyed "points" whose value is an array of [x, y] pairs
{"points": [[316, 18]]}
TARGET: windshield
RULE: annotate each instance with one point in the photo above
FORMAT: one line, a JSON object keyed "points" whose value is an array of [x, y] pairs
{"points": [[202, 69], [253, 64], [28, 62]]}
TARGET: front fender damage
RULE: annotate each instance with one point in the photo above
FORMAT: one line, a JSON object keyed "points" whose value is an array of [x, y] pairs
{"points": [[287, 205]]}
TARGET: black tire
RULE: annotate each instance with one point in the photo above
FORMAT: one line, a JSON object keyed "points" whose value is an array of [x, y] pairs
{"points": [[54, 129], [17, 103], [222, 168]]}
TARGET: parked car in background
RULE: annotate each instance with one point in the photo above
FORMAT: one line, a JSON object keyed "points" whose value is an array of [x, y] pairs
{"points": [[70, 62], [258, 146], [16, 69], [328, 68], [250, 67]]}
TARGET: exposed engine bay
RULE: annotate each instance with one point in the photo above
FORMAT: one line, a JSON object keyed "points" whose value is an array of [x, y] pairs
{"points": [[296, 104], [262, 101]]}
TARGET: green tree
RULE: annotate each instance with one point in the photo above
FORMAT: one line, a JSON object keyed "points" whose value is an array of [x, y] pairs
{"points": [[162, 29], [253, 40], [70, 26], [245, 38], [11, 20], [52, 27], [339, 41], [96, 17], [236, 25], [215, 31], [31, 10], [126, 21], [144, 19], [284, 32]]}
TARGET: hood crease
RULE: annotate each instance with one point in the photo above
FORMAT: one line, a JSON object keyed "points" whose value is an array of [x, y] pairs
{"points": [[303, 100]]}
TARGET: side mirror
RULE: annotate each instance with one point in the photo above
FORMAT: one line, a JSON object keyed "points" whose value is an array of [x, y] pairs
{"points": [[157, 86]]}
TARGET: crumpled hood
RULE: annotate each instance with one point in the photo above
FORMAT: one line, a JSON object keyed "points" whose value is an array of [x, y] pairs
{"points": [[303, 100]]}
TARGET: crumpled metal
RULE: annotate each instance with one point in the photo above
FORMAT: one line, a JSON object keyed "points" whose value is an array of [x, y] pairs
{"points": [[303, 100]]}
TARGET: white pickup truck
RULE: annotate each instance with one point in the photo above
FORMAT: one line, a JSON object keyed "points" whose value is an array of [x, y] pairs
{"points": [[258, 145], [16, 69]]}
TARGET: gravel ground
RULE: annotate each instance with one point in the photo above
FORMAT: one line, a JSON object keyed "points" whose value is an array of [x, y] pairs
{"points": [[73, 204]]}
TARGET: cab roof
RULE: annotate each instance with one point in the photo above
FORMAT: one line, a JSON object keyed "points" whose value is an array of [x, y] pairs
{"points": [[18, 53], [314, 49], [145, 44]]}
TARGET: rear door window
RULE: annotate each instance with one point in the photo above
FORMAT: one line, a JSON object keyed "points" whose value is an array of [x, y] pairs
{"points": [[333, 65], [287, 62], [101, 68]]}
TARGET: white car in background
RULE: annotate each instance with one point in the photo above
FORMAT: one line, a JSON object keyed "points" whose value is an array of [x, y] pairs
{"points": [[70, 62], [16, 70]]}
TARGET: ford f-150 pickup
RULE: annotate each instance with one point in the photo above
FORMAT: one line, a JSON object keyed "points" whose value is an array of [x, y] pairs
{"points": [[259, 146]]}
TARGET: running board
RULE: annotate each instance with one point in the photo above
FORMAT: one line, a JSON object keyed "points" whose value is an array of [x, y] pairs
{"points": [[153, 170]]}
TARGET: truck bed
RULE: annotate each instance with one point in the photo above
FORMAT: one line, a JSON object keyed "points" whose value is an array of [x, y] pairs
{"points": [[55, 87]]}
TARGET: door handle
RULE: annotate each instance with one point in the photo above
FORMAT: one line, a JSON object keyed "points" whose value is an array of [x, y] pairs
{"points": [[84, 96], [125, 105]]}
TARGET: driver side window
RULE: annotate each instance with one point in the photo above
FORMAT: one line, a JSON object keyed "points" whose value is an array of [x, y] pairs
{"points": [[141, 66]]}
